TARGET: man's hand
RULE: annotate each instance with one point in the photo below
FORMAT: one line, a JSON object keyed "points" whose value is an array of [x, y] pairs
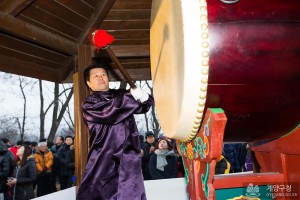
{"points": [[152, 148], [139, 94], [44, 170], [11, 181]]}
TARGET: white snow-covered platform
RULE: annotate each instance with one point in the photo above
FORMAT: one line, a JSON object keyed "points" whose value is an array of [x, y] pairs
{"points": [[166, 189]]}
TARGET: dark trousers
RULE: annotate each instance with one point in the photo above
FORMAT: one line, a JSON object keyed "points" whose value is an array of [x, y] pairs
{"points": [[44, 184], [5, 195], [53, 182], [63, 180]]}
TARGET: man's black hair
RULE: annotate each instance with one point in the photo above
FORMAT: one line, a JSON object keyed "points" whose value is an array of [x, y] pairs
{"points": [[43, 140], [5, 140], [88, 69], [34, 144], [28, 143], [69, 136], [61, 138]]}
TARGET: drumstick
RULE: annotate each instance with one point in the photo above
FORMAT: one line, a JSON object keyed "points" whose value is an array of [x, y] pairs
{"points": [[120, 66], [102, 40]]}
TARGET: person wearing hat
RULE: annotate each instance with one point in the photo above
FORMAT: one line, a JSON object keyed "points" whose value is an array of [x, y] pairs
{"points": [[114, 167], [148, 149]]}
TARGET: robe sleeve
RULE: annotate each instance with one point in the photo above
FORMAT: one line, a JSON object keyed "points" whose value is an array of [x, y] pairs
{"points": [[114, 110]]}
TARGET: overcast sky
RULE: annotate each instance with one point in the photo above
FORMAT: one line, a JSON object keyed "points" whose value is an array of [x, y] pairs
{"points": [[11, 102]]}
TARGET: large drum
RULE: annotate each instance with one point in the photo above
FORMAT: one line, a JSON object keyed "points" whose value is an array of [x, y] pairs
{"points": [[241, 56]]}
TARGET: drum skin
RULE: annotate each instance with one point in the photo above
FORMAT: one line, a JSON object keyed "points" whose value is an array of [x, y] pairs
{"points": [[254, 68]]}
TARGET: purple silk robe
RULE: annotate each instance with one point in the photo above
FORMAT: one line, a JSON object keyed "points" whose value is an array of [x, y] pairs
{"points": [[113, 171]]}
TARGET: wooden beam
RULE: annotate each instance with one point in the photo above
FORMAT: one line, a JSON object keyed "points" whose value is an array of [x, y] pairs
{"points": [[136, 74], [36, 35], [129, 4], [24, 68], [96, 19], [67, 69], [126, 51], [123, 24], [129, 14], [14, 7]]}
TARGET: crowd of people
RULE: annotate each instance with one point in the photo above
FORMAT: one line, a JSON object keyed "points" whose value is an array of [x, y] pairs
{"points": [[29, 166], [31, 169]]}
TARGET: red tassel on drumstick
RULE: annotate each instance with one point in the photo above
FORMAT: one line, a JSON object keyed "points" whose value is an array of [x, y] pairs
{"points": [[102, 40]]}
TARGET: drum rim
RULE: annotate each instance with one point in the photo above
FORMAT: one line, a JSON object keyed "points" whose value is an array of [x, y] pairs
{"points": [[204, 68]]}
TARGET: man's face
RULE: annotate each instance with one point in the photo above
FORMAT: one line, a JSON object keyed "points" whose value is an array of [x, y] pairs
{"points": [[98, 80], [150, 139], [58, 141], [43, 148], [69, 141]]}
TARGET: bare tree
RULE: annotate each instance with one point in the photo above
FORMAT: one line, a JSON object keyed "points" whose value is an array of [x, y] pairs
{"points": [[68, 120], [57, 112], [150, 121], [23, 83], [155, 123], [59, 106], [26, 86], [123, 85], [9, 129], [42, 112]]}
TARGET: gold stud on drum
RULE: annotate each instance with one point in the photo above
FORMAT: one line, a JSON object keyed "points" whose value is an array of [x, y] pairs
{"points": [[204, 71], [203, 89], [199, 115], [203, 17], [204, 80], [204, 35], [205, 63], [201, 103], [204, 26], [205, 54]]}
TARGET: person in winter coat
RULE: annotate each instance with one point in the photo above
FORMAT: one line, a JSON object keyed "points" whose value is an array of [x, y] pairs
{"points": [[148, 149], [163, 163], [230, 154], [59, 141], [5, 168], [222, 166], [44, 161], [25, 175], [66, 157]]}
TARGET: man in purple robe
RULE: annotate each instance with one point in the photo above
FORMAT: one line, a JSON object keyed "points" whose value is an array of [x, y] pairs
{"points": [[113, 171]]}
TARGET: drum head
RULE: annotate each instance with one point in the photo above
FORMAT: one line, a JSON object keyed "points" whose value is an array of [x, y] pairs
{"points": [[179, 64]]}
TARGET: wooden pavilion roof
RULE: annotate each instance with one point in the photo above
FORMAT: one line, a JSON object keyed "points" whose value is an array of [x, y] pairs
{"points": [[40, 38]]}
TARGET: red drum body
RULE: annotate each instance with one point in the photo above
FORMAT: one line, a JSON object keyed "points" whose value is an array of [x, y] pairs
{"points": [[254, 67]]}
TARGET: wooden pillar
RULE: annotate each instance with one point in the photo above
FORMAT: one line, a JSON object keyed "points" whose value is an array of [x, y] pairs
{"points": [[80, 93]]}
